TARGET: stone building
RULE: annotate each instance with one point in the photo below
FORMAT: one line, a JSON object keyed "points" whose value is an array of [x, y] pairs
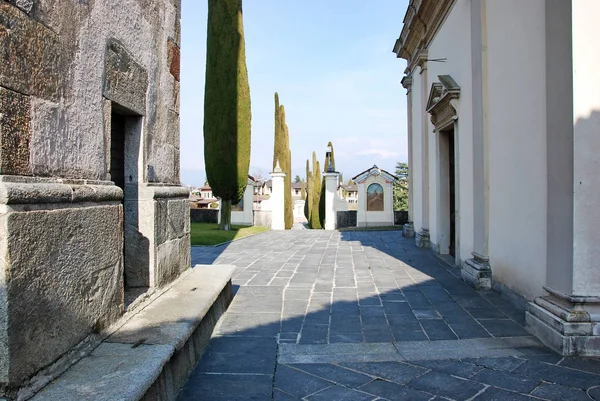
{"points": [[92, 212], [504, 134]]}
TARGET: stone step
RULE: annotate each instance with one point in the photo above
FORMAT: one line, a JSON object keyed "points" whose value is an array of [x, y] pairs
{"points": [[151, 355], [405, 350]]}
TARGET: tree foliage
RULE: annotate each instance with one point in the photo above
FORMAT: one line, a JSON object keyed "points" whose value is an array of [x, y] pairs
{"points": [[315, 197], [307, 202], [227, 112], [401, 187], [283, 154], [303, 190]]}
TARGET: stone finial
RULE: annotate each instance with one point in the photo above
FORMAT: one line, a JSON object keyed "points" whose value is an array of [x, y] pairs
{"points": [[277, 167]]}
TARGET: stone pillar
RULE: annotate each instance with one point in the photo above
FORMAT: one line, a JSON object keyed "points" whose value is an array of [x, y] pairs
{"points": [[477, 271], [361, 215], [422, 236], [277, 199], [408, 230], [567, 319], [330, 194]]}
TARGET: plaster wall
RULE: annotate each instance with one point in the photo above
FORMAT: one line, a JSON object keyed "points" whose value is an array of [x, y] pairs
{"points": [[370, 218], [517, 143], [244, 217], [417, 143], [586, 120], [453, 43]]}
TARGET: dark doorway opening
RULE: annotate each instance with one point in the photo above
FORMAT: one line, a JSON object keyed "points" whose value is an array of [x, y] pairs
{"points": [[125, 140], [451, 189]]}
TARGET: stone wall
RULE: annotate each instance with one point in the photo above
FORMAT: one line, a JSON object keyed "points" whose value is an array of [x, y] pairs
{"points": [[75, 76], [346, 219], [204, 215], [400, 217]]}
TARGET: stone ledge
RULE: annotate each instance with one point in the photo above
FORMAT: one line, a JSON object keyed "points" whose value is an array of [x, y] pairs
{"points": [[14, 193], [151, 355]]}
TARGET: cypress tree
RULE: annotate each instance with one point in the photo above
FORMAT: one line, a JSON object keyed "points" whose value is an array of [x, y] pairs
{"points": [[303, 190], [315, 220], [226, 106], [282, 153], [307, 203]]}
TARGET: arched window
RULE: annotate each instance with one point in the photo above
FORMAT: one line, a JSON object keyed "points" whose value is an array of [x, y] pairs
{"points": [[375, 198]]}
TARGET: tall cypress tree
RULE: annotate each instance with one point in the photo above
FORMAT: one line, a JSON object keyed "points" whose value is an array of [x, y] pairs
{"points": [[282, 153], [315, 220], [303, 190], [307, 199], [226, 106]]}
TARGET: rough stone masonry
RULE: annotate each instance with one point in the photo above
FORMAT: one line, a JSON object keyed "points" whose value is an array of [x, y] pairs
{"points": [[91, 204]]}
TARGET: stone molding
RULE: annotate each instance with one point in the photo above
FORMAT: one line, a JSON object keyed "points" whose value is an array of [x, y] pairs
{"points": [[407, 82], [477, 272], [422, 238], [40, 191], [168, 191], [443, 102], [422, 21]]}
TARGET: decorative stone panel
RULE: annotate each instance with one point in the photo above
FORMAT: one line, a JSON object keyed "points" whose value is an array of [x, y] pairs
{"points": [[15, 132], [30, 55]]}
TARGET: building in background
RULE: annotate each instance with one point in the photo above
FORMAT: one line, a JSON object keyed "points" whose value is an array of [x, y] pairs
{"points": [[504, 138]]}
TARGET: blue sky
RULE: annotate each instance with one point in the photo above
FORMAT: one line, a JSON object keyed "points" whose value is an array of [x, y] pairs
{"points": [[332, 64]]}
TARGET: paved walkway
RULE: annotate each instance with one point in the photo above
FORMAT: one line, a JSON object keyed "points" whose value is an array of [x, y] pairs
{"points": [[368, 316]]}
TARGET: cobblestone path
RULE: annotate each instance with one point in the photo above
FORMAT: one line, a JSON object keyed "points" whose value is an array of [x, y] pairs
{"points": [[368, 316]]}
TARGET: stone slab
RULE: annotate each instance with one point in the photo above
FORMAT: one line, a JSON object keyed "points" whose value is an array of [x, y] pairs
{"points": [[111, 372], [173, 317]]}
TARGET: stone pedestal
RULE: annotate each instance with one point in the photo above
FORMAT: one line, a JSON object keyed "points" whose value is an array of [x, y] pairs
{"points": [[477, 272], [331, 180], [422, 238], [570, 325], [278, 199], [408, 230]]}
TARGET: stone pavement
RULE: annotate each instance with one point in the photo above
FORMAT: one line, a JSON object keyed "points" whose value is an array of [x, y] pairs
{"points": [[368, 316]]}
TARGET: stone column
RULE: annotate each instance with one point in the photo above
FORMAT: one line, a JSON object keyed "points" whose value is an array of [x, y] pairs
{"points": [[330, 193], [408, 230], [567, 319], [277, 199], [422, 236], [477, 271], [361, 215]]}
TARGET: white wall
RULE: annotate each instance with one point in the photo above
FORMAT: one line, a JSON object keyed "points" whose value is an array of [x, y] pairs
{"points": [[517, 143], [586, 113], [371, 218], [245, 217], [417, 161], [453, 42]]}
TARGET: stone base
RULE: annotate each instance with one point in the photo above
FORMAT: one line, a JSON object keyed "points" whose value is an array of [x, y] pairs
{"points": [[408, 230], [563, 326], [422, 238], [477, 272]]}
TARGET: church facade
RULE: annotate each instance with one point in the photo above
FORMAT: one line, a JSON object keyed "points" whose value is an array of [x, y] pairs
{"points": [[504, 134]]}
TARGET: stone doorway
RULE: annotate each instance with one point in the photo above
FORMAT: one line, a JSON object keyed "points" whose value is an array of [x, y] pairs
{"points": [[125, 138]]}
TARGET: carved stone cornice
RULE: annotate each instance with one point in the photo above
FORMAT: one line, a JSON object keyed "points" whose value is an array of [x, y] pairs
{"points": [[407, 82], [443, 102], [422, 21]]}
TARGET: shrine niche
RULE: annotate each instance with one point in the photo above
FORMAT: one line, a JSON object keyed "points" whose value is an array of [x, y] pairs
{"points": [[375, 197]]}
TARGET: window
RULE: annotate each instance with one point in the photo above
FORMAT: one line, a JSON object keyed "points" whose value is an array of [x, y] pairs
{"points": [[375, 198]]}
